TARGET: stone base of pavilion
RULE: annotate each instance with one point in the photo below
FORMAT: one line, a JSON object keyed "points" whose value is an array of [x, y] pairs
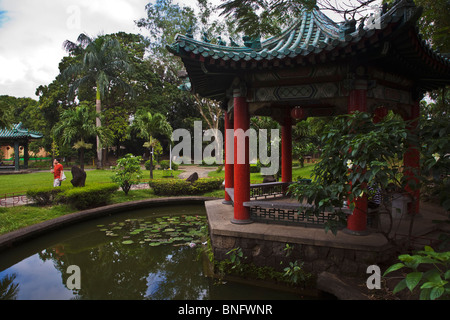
{"points": [[263, 244]]}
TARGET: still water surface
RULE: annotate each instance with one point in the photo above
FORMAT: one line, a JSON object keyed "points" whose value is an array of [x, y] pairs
{"points": [[143, 254]]}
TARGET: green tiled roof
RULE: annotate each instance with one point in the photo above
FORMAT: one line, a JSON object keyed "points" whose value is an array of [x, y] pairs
{"points": [[315, 38], [18, 132], [312, 31]]}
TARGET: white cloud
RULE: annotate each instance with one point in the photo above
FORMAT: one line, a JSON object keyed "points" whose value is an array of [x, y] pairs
{"points": [[33, 32]]}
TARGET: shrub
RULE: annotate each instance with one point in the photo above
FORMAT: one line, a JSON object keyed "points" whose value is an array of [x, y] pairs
{"points": [[433, 283], [127, 172], [175, 187], [209, 161], [147, 165], [165, 164], [205, 185], [255, 167], [44, 196], [88, 197]]}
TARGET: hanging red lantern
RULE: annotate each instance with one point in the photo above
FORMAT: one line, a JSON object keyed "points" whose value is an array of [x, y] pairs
{"points": [[298, 113]]}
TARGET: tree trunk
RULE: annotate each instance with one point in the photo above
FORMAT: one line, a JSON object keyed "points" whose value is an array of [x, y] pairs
{"points": [[98, 109], [151, 164], [82, 158]]}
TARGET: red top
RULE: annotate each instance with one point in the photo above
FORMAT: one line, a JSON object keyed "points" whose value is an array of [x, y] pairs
{"points": [[57, 171]]}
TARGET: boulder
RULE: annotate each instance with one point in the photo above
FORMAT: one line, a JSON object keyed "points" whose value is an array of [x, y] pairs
{"points": [[268, 179], [333, 284], [193, 177], [79, 177]]}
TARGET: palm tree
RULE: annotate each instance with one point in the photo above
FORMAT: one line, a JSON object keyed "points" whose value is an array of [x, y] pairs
{"points": [[103, 62], [79, 125], [9, 289], [148, 125]]}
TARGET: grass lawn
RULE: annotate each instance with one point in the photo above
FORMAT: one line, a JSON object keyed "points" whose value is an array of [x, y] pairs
{"points": [[20, 183], [13, 218], [297, 173]]}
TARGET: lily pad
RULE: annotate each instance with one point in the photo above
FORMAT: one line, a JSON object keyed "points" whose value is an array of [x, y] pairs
{"points": [[154, 244], [128, 242]]}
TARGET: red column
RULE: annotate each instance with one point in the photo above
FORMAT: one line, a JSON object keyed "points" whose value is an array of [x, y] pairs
{"points": [[379, 114], [286, 148], [357, 221], [229, 169], [241, 170], [411, 161]]}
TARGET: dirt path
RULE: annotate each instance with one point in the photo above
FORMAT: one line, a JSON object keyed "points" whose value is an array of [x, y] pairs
{"points": [[201, 171]]}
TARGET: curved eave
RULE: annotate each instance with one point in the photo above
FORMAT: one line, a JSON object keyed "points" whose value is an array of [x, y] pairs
{"points": [[18, 133], [211, 67]]}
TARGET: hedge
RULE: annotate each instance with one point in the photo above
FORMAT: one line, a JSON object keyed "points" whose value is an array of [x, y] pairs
{"points": [[176, 187], [88, 197], [44, 196], [81, 198]]}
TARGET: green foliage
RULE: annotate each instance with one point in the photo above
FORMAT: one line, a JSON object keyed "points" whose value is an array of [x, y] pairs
{"points": [[6, 114], [165, 164], [236, 257], [262, 18], [78, 125], [435, 23], [127, 172], [434, 282], [80, 198], [295, 273], [209, 161], [88, 197], [255, 167], [149, 163], [236, 265], [147, 125], [356, 153], [102, 62], [435, 161], [176, 187], [44, 196]]}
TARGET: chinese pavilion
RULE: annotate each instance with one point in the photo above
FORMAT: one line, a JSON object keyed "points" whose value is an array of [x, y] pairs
{"points": [[316, 67], [18, 136]]}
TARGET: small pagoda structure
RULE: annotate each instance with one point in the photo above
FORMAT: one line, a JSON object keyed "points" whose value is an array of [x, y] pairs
{"points": [[17, 136], [316, 67]]}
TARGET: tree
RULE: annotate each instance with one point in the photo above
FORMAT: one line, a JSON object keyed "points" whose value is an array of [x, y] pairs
{"points": [[164, 21], [358, 155], [259, 18], [435, 23], [148, 125], [5, 114], [78, 125], [102, 65]]}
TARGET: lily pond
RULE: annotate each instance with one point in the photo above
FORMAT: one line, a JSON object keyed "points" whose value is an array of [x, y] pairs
{"points": [[151, 254]]}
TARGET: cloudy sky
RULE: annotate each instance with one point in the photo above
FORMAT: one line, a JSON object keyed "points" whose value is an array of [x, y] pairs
{"points": [[32, 33]]}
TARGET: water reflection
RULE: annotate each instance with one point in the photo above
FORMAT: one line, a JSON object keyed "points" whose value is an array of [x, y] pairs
{"points": [[112, 269]]}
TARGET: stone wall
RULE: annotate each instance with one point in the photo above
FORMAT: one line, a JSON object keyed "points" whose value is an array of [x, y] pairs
{"points": [[316, 259]]}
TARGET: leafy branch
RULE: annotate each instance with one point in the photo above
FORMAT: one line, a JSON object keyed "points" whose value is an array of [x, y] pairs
{"points": [[434, 283]]}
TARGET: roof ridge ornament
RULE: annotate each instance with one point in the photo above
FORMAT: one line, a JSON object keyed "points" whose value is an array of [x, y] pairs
{"points": [[252, 43], [347, 27], [190, 32]]}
